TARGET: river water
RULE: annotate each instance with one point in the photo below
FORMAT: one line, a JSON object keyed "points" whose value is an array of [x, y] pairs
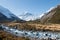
{"points": [[31, 34]]}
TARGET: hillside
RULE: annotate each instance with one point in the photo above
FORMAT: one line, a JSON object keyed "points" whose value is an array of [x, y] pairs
{"points": [[52, 16], [7, 16]]}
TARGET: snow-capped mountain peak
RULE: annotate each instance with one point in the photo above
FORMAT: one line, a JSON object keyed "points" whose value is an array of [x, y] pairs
{"points": [[27, 16]]}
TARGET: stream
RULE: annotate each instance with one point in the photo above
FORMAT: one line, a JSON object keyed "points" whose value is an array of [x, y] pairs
{"points": [[31, 34]]}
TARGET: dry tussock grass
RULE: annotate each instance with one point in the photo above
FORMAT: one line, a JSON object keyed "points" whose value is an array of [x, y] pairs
{"points": [[7, 36], [38, 27]]}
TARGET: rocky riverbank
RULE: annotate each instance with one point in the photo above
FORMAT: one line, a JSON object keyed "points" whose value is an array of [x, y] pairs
{"points": [[31, 34]]}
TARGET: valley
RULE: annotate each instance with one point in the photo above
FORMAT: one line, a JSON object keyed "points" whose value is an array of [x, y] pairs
{"points": [[31, 34]]}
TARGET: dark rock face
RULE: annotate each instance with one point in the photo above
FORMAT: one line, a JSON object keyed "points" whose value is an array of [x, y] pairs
{"points": [[1, 38], [5, 14], [3, 18]]}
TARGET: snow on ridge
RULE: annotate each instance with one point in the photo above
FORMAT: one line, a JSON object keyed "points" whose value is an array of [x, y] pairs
{"points": [[50, 9], [27, 16], [6, 12], [41, 15]]}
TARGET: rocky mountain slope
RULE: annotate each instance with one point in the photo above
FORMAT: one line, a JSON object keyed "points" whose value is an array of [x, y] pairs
{"points": [[7, 16], [52, 16]]}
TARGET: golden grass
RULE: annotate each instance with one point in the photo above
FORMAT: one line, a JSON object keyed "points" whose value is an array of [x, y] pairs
{"points": [[7, 36], [27, 26], [31, 26]]}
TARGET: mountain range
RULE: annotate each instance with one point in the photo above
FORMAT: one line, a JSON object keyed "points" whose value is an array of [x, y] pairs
{"points": [[51, 16], [27, 16], [7, 16]]}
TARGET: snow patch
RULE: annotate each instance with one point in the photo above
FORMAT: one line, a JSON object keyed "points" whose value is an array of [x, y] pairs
{"points": [[27, 16], [6, 12], [41, 15], [50, 9]]}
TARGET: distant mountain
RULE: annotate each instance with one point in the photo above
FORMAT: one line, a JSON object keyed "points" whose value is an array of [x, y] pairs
{"points": [[7, 16], [53, 16], [27, 16]]}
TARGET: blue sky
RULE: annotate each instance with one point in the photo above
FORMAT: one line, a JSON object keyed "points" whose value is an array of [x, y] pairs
{"points": [[35, 7]]}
